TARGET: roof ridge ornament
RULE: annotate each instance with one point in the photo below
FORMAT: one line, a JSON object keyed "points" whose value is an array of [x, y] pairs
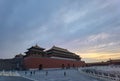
{"points": [[36, 45]]}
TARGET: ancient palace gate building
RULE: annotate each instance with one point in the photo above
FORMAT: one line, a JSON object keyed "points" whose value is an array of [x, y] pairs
{"points": [[37, 58]]}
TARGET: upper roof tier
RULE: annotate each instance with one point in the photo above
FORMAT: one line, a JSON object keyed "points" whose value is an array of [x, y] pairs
{"points": [[61, 52], [59, 49], [36, 47]]}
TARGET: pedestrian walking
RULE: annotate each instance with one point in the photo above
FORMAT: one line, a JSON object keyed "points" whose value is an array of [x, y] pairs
{"points": [[31, 73], [25, 72], [64, 73], [46, 73], [34, 72]]}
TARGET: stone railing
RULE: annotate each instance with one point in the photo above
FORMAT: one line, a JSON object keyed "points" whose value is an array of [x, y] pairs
{"points": [[108, 75], [9, 73]]}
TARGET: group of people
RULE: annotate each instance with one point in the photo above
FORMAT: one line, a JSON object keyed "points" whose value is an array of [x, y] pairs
{"points": [[31, 72], [34, 72]]}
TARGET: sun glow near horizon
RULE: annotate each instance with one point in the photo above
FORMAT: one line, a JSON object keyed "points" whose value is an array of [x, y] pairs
{"points": [[98, 57]]}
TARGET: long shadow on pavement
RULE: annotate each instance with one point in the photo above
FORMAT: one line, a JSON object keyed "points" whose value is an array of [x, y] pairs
{"points": [[13, 78]]}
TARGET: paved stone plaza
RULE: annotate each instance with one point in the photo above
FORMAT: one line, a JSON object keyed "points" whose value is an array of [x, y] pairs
{"points": [[49, 75], [13, 78], [58, 75]]}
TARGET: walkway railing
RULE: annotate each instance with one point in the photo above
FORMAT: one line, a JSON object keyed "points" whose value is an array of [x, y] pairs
{"points": [[110, 75], [9, 73]]}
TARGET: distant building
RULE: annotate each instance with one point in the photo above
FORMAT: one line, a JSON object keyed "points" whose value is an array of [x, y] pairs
{"points": [[109, 62], [114, 61], [56, 57], [12, 64], [6, 64], [97, 64]]}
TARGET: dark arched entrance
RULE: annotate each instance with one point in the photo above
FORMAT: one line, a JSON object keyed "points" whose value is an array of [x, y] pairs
{"points": [[73, 66], [68, 66], [63, 66], [40, 67]]}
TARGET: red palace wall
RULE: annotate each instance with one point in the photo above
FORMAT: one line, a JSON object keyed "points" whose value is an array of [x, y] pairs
{"points": [[34, 62]]}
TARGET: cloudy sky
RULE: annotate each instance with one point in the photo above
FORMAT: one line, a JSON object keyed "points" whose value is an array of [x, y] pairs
{"points": [[90, 28]]}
